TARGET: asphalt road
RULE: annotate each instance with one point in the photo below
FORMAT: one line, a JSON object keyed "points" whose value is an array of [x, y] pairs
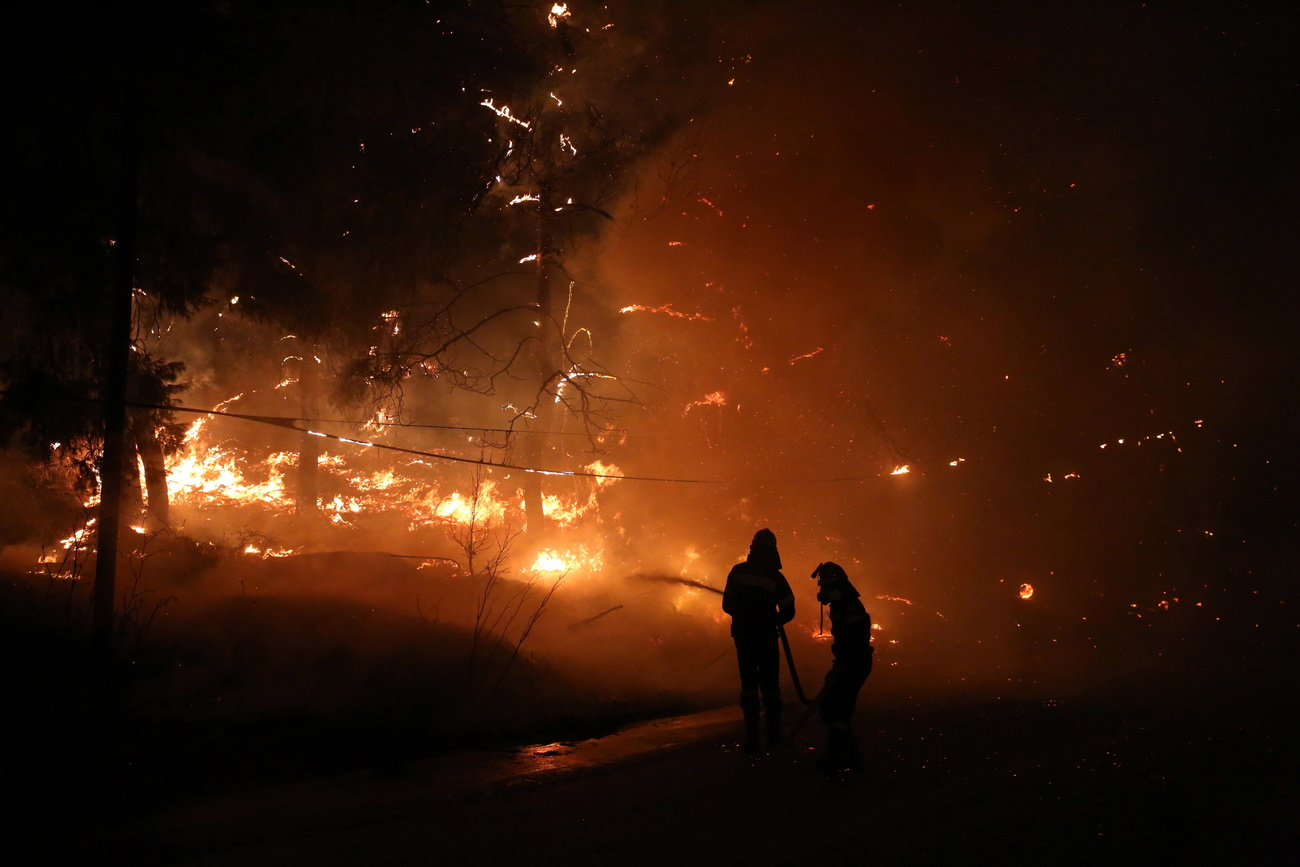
{"points": [[1199, 777]]}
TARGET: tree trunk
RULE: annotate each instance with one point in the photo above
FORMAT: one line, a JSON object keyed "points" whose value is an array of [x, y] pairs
{"points": [[545, 354], [308, 493], [117, 357], [155, 466]]}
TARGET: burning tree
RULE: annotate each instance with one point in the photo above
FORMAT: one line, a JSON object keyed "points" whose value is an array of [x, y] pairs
{"points": [[502, 324]]}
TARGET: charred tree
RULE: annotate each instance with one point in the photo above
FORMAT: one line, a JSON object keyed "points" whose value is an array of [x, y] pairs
{"points": [[307, 500], [547, 347]]}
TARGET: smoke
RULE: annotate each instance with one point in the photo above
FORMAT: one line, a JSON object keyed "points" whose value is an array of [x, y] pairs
{"points": [[967, 242]]}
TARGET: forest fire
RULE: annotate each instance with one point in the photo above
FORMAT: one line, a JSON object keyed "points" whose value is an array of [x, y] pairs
{"points": [[205, 474], [429, 368]]}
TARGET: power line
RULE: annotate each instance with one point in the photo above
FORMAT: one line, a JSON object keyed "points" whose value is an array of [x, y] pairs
{"points": [[288, 423], [292, 424]]}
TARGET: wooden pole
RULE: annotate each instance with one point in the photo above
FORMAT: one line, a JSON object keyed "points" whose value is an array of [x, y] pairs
{"points": [[117, 358]]}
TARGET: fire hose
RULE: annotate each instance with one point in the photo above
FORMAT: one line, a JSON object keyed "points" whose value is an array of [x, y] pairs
{"points": [[811, 709], [794, 672]]}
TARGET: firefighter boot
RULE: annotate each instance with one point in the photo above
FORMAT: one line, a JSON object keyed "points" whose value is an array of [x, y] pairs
{"points": [[775, 731], [749, 704]]}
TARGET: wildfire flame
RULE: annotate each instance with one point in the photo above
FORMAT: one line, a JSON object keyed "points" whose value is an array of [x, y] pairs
{"points": [[558, 13], [208, 473], [549, 561]]}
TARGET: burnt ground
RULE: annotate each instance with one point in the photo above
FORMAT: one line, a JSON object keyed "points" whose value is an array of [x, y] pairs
{"points": [[1167, 772]]}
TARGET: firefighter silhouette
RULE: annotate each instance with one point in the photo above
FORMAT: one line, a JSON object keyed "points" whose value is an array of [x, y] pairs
{"points": [[759, 600], [852, 650]]}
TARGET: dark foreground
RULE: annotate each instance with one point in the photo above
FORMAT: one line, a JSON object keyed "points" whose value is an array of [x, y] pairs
{"points": [[1189, 776]]}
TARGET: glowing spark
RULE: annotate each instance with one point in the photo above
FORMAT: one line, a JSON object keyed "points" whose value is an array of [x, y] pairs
{"points": [[558, 101], [807, 354], [531, 257], [524, 198], [711, 205], [667, 310], [1026, 591], [287, 262], [895, 599], [558, 13], [567, 144], [504, 112], [956, 462], [898, 471], [717, 398]]}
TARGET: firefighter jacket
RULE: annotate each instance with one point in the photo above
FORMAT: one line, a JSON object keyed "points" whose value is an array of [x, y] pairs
{"points": [[757, 597], [850, 622]]}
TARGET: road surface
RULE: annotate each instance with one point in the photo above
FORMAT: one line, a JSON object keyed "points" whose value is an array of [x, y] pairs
{"points": [[1161, 779]]}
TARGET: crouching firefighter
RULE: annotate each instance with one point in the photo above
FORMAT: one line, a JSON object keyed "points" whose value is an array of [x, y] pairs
{"points": [[759, 600], [851, 647]]}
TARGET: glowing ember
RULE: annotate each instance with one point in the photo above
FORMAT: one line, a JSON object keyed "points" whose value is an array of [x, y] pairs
{"points": [[898, 471], [558, 13], [666, 309], [716, 398], [807, 354], [504, 113], [1026, 591]]}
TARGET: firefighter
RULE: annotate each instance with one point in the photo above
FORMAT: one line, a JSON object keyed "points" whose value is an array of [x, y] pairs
{"points": [[852, 650], [760, 601]]}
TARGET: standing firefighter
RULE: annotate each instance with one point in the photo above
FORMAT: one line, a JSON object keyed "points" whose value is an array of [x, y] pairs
{"points": [[759, 600], [851, 647]]}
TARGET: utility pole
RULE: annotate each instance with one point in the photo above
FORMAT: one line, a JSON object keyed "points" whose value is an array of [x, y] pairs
{"points": [[117, 360]]}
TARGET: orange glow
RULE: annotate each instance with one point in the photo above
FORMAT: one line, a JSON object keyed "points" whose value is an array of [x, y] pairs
{"points": [[1026, 591], [898, 471], [549, 561]]}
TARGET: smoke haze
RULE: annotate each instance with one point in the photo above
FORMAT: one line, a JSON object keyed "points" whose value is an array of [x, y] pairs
{"points": [[1031, 254]]}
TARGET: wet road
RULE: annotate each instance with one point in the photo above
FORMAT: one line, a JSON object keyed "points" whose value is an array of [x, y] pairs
{"points": [[1037, 781]]}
